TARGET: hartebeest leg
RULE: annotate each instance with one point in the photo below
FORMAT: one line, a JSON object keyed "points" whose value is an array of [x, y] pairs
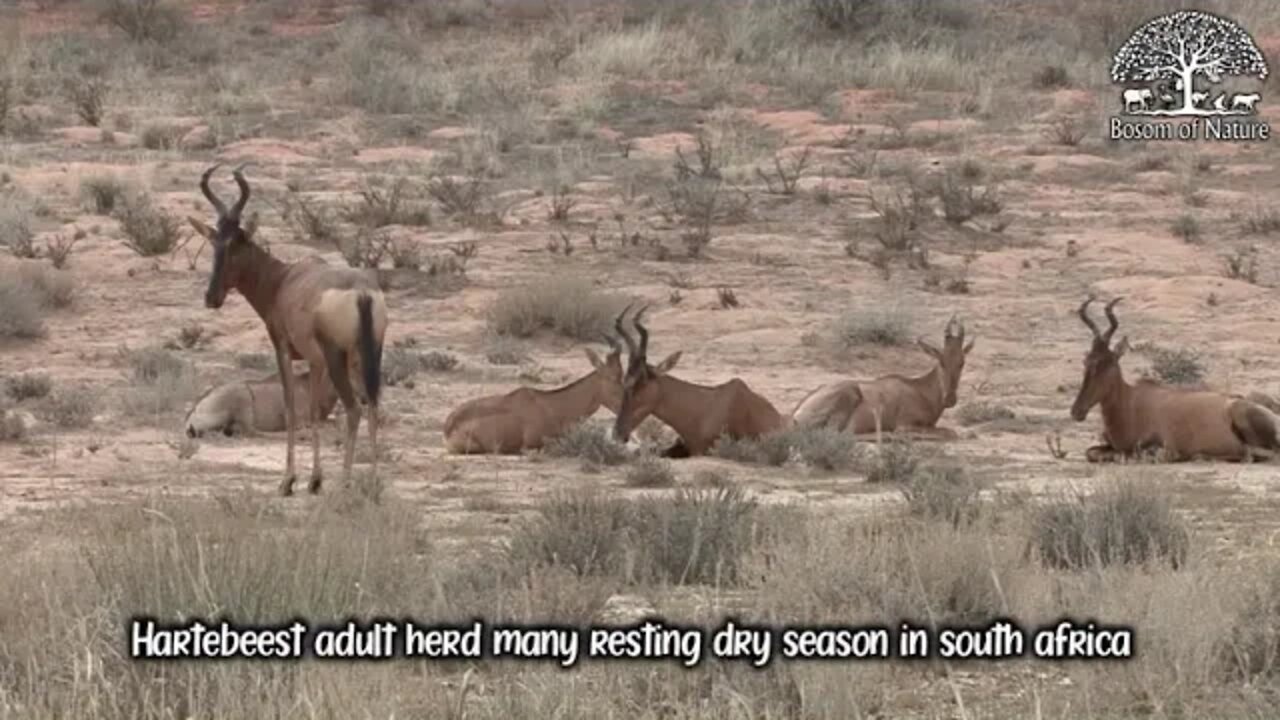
{"points": [[336, 359], [290, 416], [318, 380]]}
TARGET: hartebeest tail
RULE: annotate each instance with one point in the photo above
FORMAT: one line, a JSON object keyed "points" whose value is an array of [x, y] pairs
{"points": [[1178, 423], [370, 351], [334, 318]]}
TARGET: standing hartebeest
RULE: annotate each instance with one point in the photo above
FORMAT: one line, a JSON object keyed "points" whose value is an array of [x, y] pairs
{"points": [[334, 318], [700, 414], [525, 418], [892, 402], [1181, 423]]}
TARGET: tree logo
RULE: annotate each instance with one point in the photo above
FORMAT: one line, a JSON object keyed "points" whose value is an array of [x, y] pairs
{"points": [[1176, 67]]}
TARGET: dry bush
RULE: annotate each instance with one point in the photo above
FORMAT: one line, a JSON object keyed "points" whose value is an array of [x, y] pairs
{"points": [[103, 192], [161, 136], [1251, 651], [161, 384], [977, 413], [786, 172], [398, 205], [1125, 522], [148, 230], [21, 315], [88, 95], [945, 494], [16, 232], [1067, 131], [1187, 228], [887, 325], [27, 292], [567, 305], [961, 201], [588, 441], [1261, 221], [695, 536], [1051, 77], [402, 361], [58, 249], [926, 573], [892, 461], [460, 198], [901, 211], [1242, 265], [28, 386], [822, 449], [1176, 366], [71, 408], [144, 20], [311, 223], [649, 471]]}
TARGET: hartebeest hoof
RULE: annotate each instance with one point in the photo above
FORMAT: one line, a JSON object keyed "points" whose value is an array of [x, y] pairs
{"points": [[313, 486], [286, 486]]}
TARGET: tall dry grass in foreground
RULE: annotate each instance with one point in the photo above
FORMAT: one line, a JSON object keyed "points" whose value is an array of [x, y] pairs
{"points": [[68, 586]]}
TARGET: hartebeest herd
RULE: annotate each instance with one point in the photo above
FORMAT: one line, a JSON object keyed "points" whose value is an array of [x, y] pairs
{"points": [[336, 319]]}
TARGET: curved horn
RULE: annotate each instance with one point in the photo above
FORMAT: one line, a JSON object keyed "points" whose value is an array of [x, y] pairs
{"points": [[952, 326], [622, 331], [642, 332], [208, 193], [613, 342], [1111, 318], [238, 174], [1084, 317]]}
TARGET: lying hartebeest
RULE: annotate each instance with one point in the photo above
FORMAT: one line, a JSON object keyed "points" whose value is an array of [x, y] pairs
{"points": [[334, 318], [892, 402], [250, 406], [1179, 423], [700, 414], [525, 418]]}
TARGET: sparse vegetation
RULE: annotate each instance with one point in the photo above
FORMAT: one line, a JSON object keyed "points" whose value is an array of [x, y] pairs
{"points": [[148, 230], [649, 471], [945, 493], [569, 306], [1177, 366], [1187, 228], [28, 386], [871, 325], [1125, 522], [161, 383], [588, 441], [976, 413]]}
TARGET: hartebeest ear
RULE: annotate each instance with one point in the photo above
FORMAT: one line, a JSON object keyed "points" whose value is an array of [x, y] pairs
{"points": [[1121, 347], [251, 227], [933, 352], [665, 366], [201, 228], [969, 347]]}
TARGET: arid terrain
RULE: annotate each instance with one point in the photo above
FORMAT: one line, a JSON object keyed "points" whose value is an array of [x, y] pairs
{"points": [[797, 190]]}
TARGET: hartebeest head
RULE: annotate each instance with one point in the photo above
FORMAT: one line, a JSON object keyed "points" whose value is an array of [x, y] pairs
{"points": [[230, 242], [1101, 364], [950, 358], [640, 387], [608, 373]]}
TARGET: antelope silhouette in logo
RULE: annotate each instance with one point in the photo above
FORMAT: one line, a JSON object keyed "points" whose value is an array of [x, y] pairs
{"points": [[700, 414], [334, 318], [893, 402], [1177, 424], [525, 418]]}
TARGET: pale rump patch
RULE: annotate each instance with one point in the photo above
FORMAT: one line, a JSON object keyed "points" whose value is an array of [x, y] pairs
{"points": [[338, 315]]}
